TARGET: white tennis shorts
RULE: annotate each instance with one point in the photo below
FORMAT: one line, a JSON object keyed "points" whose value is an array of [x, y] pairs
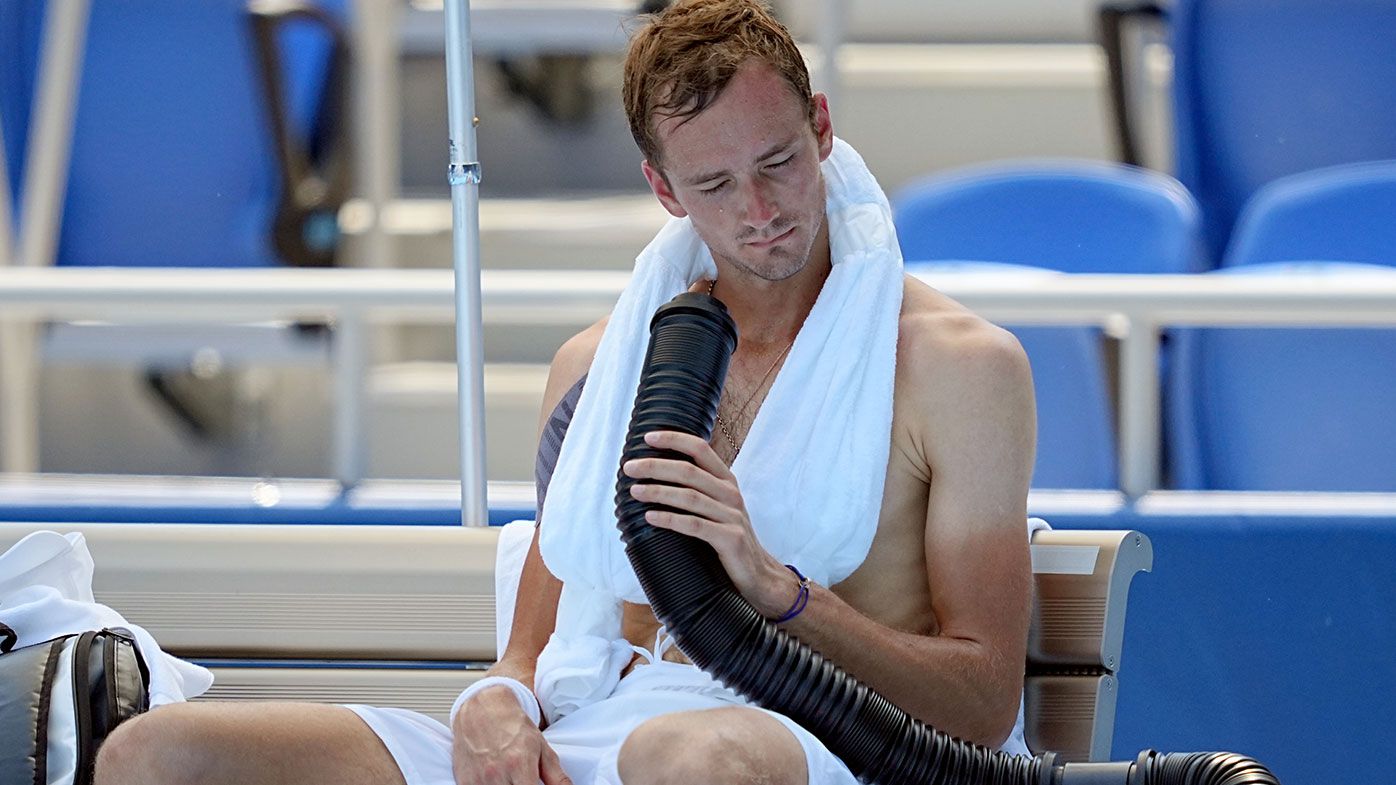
{"points": [[588, 740]]}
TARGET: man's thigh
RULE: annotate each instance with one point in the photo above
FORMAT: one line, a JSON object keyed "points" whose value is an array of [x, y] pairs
{"points": [[247, 744], [723, 745]]}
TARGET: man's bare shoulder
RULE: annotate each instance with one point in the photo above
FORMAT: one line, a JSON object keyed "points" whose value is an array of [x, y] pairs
{"points": [[574, 357], [941, 340], [570, 363], [955, 367]]}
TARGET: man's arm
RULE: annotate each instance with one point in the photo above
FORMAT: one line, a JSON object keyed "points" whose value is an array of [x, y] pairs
{"points": [[974, 392], [535, 609], [493, 739], [978, 439]]}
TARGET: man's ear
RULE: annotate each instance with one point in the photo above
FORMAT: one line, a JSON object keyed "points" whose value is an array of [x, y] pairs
{"points": [[659, 184], [823, 125]]}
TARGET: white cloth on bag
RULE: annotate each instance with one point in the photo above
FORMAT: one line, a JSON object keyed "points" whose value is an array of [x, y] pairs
{"points": [[46, 591], [812, 467]]}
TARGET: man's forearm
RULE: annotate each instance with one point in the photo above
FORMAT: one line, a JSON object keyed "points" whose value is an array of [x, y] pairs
{"points": [[516, 668], [535, 614], [958, 686]]}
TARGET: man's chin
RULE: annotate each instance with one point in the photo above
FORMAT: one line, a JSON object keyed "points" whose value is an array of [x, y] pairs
{"points": [[773, 270], [771, 264]]}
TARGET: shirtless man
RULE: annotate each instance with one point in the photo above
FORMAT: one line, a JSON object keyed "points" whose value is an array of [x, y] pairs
{"points": [[935, 618]]}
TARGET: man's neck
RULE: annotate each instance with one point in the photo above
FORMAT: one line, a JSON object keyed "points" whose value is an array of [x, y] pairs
{"points": [[771, 312]]}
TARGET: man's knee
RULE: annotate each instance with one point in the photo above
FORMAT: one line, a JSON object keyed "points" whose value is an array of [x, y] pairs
{"points": [[245, 744], [160, 747], [719, 746]]}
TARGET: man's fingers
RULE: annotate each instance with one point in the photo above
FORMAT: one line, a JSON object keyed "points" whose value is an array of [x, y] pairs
{"points": [[673, 470], [550, 768], [700, 451], [685, 474], [685, 499], [683, 524]]}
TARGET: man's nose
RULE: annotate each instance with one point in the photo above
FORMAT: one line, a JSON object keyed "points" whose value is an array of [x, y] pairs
{"points": [[760, 207]]}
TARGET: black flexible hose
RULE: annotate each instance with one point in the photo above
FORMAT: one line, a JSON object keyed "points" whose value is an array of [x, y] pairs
{"points": [[691, 342]]}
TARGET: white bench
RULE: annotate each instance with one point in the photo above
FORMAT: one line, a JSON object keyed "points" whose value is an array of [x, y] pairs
{"points": [[406, 615]]}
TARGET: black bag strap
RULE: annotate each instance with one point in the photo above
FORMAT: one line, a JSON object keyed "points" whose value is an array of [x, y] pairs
{"points": [[8, 638], [130, 638]]}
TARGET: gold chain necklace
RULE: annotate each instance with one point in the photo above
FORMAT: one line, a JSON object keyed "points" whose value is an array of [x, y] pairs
{"points": [[721, 426]]}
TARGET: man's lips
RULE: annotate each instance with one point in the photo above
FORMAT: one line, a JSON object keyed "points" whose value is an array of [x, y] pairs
{"points": [[771, 241]]}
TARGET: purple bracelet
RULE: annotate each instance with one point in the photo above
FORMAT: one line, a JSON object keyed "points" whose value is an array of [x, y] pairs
{"points": [[801, 600]]}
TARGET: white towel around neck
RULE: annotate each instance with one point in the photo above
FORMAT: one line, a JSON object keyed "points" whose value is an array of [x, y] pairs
{"points": [[811, 470]]}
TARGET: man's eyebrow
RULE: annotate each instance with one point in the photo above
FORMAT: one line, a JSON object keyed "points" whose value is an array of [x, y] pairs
{"points": [[703, 178]]}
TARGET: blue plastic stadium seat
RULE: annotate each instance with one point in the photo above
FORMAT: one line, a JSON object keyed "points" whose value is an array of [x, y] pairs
{"points": [[1066, 216], [1296, 409], [172, 157], [1072, 216], [174, 162], [1268, 88], [1345, 213], [19, 26]]}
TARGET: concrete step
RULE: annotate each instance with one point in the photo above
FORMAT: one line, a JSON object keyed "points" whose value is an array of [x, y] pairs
{"points": [[412, 420], [911, 108], [276, 422]]}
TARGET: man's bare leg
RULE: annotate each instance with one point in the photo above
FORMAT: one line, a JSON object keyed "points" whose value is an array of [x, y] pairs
{"points": [[719, 746], [246, 744]]}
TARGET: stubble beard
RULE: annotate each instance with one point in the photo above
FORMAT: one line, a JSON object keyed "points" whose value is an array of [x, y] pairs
{"points": [[787, 262]]}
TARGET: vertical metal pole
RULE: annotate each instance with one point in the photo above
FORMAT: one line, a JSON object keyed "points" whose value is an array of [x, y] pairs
{"points": [[349, 365], [15, 453], [7, 216], [19, 399], [831, 34], [49, 144], [1139, 408], [51, 131], [464, 176], [377, 109]]}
